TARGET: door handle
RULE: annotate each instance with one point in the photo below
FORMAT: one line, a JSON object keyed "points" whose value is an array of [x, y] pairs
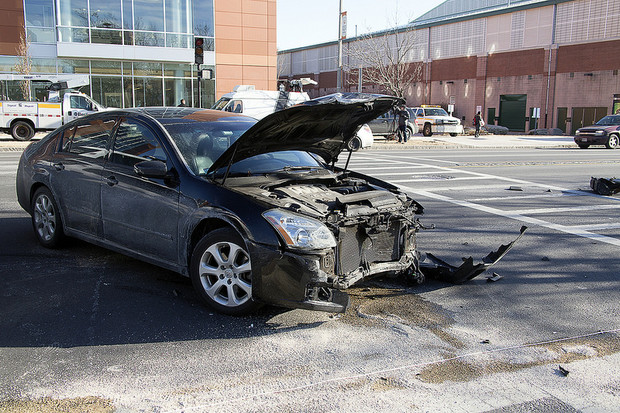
{"points": [[111, 180], [58, 166]]}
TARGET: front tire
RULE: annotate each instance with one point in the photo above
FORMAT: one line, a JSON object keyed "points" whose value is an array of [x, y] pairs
{"points": [[221, 272], [22, 131], [612, 142], [583, 146], [427, 131], [46, 219]]}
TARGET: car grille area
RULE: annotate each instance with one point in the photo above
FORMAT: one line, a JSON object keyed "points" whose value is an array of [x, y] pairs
{"points": [[361, 245]]}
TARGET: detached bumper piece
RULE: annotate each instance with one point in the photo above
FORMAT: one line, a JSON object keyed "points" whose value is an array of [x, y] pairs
{"points": [[434, 267], [603, 186]]}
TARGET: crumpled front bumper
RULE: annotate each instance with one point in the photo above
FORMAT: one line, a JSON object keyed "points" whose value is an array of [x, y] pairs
{"points": [[296, 280], [439, 269]]}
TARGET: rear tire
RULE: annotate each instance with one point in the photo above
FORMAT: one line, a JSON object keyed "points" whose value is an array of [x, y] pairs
{"points": [[221, 272], [453, 134], [354, 144], [46, 219], [22, 131]]}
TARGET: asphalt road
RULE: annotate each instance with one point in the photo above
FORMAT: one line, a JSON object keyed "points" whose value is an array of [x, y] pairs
{"points": [[96, 330]]}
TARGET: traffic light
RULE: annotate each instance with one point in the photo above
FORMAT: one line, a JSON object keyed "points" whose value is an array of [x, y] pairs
{"points": [[199, 50]]}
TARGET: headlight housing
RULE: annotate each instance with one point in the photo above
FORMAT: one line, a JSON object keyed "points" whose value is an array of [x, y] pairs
{"points": [[300, 232], [599, 132]]}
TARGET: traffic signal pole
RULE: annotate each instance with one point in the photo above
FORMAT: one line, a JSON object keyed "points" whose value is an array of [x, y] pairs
{"points": [[199, 59]]}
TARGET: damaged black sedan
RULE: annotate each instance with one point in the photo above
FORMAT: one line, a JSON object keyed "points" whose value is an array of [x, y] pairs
{"points": [[253, 212]]}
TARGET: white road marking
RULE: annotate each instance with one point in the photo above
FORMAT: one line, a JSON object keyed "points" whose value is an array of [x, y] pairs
{"points": [[596, 227], [501, 198], [519, 215], [564, 209], [580, 232]]}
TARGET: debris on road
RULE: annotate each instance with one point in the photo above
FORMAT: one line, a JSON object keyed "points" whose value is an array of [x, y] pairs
{"points": [[563, 371], [604, 186], [494, 277]]}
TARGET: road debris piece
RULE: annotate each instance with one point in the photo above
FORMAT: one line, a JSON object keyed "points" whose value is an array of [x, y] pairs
{"points": [[563, 371], [441, 270], [604, 186], [545, 258], [494, 277], [486, 341], [515, 188]]}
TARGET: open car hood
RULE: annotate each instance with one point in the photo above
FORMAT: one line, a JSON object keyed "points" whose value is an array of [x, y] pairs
{"points": [[322, 126]]}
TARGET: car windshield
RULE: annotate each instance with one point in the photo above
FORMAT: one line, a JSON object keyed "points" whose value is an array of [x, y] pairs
{"points": [[609, 120], [219, 105], [275, 162], [435, 112], [201, 143]]}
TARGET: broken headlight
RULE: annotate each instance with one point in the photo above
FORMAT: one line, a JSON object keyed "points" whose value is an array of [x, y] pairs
{"points": [[300, 232]]}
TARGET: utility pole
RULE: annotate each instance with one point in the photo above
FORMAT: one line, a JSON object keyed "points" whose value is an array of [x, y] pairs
{"points": [[339, 72]]}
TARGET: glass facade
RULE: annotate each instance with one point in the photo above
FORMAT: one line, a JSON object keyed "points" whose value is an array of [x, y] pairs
{"points": [[151, 23]]}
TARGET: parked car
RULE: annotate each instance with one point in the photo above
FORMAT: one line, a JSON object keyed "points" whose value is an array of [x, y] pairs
{"points": [[362, 139], [604, 132], [253, 212], [387, 125], [434, 119]]}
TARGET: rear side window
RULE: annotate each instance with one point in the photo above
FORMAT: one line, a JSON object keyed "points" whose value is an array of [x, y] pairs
{"points": [[135, 142], [89, 138]]}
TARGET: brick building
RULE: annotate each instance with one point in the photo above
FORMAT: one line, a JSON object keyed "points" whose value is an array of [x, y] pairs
{"points": [[511, 59], [141, 52]]}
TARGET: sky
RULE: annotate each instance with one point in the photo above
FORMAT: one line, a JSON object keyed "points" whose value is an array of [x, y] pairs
{"points": [[316, 21]]}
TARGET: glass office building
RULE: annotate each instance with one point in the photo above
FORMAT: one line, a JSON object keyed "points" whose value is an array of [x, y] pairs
{"points": [[137, 52]]}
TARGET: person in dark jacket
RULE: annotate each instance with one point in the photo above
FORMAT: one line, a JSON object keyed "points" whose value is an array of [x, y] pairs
{"points": [[478, 123], [403, 117], [182, 104]]}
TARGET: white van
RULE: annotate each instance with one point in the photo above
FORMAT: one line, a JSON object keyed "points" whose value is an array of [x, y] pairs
{"points": [[247, 100]]}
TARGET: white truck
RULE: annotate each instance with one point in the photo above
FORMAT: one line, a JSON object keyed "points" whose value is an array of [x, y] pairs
{"points": [[22, 119], [247, 100]]}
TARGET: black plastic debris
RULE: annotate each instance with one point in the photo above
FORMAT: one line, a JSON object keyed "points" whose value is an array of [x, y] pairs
{"points": [[435, 267], [563, 371], [604, 186], [545, 258], [515, 188]]}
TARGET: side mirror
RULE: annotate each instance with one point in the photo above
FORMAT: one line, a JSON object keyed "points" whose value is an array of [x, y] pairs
{"points": [[151, 169]]}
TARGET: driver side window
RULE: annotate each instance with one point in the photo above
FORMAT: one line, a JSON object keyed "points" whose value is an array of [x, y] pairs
{"points": [[135, 142]]}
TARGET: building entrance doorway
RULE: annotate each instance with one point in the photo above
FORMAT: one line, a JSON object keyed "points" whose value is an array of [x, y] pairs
{"points": [[512, 111]]}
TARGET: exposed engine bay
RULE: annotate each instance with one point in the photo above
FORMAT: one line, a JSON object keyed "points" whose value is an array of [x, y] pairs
{"points": [[375, 227]]}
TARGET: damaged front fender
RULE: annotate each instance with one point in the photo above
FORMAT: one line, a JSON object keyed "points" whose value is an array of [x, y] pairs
{"points": [[434, 267]]}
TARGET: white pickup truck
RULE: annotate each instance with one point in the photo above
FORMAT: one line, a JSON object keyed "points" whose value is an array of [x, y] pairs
{"points": [[22, 118]]}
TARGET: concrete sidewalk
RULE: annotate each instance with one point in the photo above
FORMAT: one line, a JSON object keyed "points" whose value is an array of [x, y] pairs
{"points": [[7, 143], [484, 141]]}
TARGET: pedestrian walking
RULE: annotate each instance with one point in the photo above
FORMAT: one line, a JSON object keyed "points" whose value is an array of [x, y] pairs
{"points": [[478, 122], [182, 104], [403, 117]]}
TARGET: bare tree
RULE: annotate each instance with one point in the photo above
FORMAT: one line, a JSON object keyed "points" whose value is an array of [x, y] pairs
{"points": [[24, 64], [385, 59]]}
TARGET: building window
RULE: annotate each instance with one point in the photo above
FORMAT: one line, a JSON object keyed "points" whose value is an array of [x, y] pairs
{"points": [[40, 21], [105, 14]]}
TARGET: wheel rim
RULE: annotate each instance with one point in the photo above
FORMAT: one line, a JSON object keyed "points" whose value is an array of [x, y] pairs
{"points": [[225, 273], [44, 217], [613, 141]]}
